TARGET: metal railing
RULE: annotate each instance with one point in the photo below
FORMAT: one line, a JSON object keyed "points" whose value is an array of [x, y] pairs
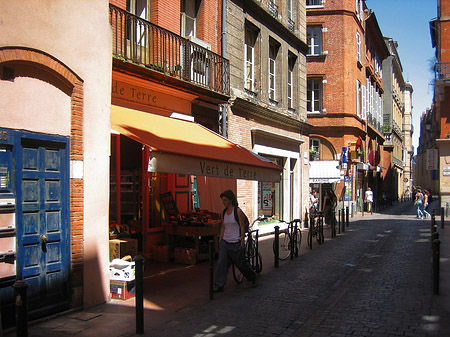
{"points": [[442, 71], [146, 44]]}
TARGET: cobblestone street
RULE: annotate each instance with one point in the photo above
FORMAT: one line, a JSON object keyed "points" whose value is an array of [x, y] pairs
{"points": [[374, 280]]}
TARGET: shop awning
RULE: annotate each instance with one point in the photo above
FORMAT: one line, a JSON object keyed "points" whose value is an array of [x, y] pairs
{"points": [[324, 171], [184, 147]]}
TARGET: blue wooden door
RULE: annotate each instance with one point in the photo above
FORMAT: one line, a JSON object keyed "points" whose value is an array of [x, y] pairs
{"points": [[42, 194]]}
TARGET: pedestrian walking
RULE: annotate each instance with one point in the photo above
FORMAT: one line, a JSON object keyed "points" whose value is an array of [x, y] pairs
{"points": [[369, 200], [329, 204], [418, 201], [426, 201], [313, 202], [231, 243]]}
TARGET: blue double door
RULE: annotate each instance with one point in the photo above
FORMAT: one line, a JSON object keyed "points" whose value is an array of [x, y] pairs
{"points": [[43, 225]]}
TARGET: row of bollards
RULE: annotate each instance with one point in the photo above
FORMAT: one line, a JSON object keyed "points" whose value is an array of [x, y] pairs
{"points": [[436, 247]]}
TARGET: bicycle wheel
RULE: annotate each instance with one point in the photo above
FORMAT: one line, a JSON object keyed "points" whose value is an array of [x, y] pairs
{"points": [[254, 259], [284, 247], [237, 275]]}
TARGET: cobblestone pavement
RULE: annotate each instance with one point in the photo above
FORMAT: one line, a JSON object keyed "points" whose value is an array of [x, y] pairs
{"points": [[374, 280]]}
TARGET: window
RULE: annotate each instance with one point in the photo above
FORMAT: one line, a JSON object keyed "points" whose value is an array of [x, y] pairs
{"points": [[273, 50], [313, 2], [314, 149], [358, 47], [290, 81], [249, 56], [314, 95], [290, 10], [363, 102], [137, 33], [189, 9], [358, 99], [314, 36]]}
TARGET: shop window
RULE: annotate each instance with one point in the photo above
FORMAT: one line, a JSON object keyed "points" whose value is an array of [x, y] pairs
{"points": [[270, 195]]}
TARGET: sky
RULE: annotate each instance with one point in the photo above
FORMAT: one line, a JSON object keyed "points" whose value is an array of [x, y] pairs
{"points": [[407, 22]]}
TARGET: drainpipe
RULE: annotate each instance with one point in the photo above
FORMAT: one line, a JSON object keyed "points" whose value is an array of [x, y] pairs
{"points": [[369, 13], [224, 118]]}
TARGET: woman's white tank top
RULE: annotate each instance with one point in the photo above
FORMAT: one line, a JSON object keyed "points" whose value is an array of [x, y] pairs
{"points": [[232, 230]]}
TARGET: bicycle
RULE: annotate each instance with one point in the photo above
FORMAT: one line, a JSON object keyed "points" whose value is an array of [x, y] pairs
{"points": [[289, 240], [252, 254], [316, 228]]}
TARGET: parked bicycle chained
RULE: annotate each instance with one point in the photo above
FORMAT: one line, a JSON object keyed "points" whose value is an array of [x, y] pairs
{"points": [[289, 240], [315, 228], [252, 254]]}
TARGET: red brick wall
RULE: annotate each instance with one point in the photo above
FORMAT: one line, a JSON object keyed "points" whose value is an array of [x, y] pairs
{"points": [[76, 152]]}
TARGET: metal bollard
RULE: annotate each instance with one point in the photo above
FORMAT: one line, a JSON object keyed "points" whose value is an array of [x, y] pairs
{"points": [[436, 258], [276, 245], [442, 217], [20, 295], [447, 208], [433, 223], [339, 221], [346, 216], [139, 271], [333, 225], [343, 220], [211, 269], [291, 231], [310, 232]]}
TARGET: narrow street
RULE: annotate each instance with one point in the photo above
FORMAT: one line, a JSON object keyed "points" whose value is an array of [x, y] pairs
{"points": [[374, 280]]}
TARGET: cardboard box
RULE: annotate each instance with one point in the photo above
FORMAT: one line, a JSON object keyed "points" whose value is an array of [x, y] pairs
{"points": [[185, 255], [119, 248], [160, 253], [121, 270], [122, 290]]}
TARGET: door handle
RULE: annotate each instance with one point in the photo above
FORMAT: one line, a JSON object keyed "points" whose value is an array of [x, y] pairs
{"points": [[44, 238]]}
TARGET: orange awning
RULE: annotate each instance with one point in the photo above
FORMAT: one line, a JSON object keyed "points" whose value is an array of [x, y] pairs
{"points": [[179, 146]]}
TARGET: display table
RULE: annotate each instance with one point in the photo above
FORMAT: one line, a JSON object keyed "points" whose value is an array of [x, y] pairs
{"points": [[212, 230]]}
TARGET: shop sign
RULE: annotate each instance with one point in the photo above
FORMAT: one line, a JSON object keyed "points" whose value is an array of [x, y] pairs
{"points": [[171, 163], [348, 183], [266, 191], [446, 171]]}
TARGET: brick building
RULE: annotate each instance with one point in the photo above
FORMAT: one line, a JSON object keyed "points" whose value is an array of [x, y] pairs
{"points": [[345, 95], [438, 125], [266, 46]]}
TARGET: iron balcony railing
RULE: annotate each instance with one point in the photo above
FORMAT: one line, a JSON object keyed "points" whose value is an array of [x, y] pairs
{"points": [[442, 71], [146, 44]]}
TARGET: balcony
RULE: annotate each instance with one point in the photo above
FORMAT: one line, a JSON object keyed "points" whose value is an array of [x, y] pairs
{"points": [[145, 44], [273, 9], [442, 71]]}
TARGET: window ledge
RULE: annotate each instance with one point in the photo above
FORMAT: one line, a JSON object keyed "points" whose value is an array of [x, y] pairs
{"points": [[273, 102], [316, 57], [251, 93]]}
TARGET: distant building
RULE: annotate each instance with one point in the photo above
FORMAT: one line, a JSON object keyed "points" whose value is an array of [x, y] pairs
{"points": [[438, 124], [345, 95]]}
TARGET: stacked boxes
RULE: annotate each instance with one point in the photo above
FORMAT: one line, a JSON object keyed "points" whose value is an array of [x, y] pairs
{"points": [[122, 279], [122, 290], [119, 248]]}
